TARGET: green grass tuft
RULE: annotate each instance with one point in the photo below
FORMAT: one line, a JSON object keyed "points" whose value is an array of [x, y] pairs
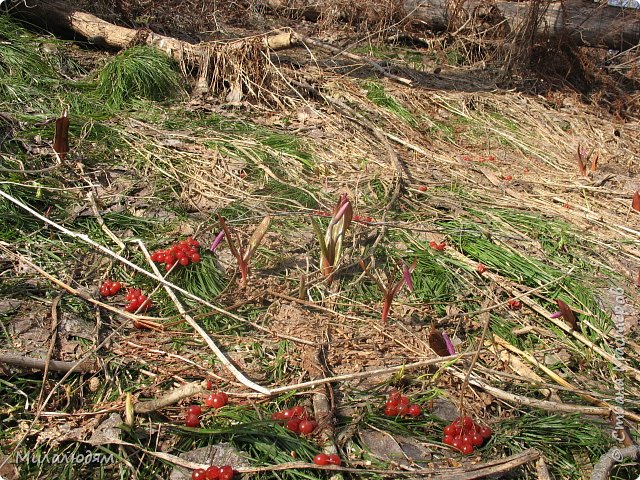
{"points": [[138, 73]]}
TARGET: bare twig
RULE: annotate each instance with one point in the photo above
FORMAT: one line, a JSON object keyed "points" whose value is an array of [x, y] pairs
{"points": [[55, 322], [614, 456], [173, 397], [40, 364], [202, 332]]}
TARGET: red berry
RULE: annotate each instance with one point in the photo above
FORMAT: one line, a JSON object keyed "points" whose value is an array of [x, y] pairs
{"points": [[184, 261], [195, 258], [403, 408], [287, 414], [466, 438], [192, 420], [414, 410], [422, 188], [334, 459], [208, 385], [321, 459], [278, 416], [451, 430], [298, 412], [508, 177], [486, 432], [477, 440], [447, 440], [199, 474], [161, 257], [391, 411], [394, 395], [456, 443], [404, 400], [104, 291], [306, 427], [226, 472], [392, 403], [481, 268], [212, 473], [219, 400], [194, 410], [169, 259], [209, 400], [467, 422], [293, 424], [466, 448], [514, 304], [193, 242]]}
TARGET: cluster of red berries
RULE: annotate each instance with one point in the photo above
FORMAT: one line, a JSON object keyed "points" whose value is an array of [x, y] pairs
{"points": [[359, 218], [213, 473], [514, 304], [437, 246], [214, 400], [296, 419], [464, 434], [398, 404], [109, 288], [324, 459], [184, 252], [138, 302]]}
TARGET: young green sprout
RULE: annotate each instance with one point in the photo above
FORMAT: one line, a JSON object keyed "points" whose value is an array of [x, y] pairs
{"points": [[243, 255], [331, 241], [391, 289]]}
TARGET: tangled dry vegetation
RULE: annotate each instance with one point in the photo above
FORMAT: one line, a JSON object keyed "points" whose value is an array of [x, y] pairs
{"points": [[493, 175]]}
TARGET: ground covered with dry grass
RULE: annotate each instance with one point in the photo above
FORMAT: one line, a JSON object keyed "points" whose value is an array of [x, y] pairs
{"points": [[479, 186]]}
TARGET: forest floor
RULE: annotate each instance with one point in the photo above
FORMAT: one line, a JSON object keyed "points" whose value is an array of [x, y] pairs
{"points": [[475, 185]]}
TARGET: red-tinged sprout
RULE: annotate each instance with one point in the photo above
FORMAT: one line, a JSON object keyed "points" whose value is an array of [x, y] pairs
{"points": [[635, 203], [217, 241], [567, 314], [406, 275], [449, 344], [557, 314]]}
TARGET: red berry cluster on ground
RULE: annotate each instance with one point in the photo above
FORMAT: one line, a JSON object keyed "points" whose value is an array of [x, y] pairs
{"points": [[464, 435], [437, 246], [324, 459], [398, 404], [109, 288], [183, 253], [213, 473], [138, 302], [216, 400], [514, 304], [359, 218], [296, 419]]}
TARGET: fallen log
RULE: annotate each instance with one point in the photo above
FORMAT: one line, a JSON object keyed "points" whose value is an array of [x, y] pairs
{"points": [[583, 22]]}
